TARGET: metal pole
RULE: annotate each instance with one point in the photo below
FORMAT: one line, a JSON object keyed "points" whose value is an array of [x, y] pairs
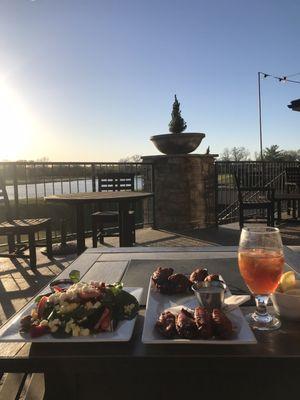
{"points": [[259, 112], [260, 129]]}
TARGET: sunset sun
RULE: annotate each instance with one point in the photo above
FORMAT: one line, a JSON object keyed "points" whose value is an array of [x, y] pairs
{"points": [[16, 125]]}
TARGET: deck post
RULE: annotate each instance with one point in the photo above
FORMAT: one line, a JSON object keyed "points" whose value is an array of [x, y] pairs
{"points": [[93, 177]]}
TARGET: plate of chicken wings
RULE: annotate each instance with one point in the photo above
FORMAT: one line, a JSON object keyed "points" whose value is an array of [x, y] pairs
{"points": [[174, 316]]}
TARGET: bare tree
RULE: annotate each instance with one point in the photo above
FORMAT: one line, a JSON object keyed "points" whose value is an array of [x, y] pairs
{"points": [[235, 154], [240, 154], [225, 156], [135, 158], [43, 159], [291, 155]]}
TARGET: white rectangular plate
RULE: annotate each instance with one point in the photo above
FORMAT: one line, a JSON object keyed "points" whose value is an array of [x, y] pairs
{"points": [[10, 331], [157, 303]]}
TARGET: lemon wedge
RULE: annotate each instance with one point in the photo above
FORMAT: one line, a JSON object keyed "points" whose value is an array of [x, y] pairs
{"points": [[287, 281]]}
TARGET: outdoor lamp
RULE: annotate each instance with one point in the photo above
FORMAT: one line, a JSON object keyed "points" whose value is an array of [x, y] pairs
{"points": [[295, 105]]}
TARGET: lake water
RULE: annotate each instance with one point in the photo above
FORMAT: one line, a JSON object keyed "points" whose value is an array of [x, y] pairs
{"points": [[46, 189]]}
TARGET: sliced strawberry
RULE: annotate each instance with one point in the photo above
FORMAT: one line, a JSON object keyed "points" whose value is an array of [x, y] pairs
{"points": [[41, 306], [104, 322], [57, 289], [38, 330]]}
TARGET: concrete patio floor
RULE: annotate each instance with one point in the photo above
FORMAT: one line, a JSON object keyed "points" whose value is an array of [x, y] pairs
{"points": [[18, 283]]}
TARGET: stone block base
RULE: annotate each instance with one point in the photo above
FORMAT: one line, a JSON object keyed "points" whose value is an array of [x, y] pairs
{"points": [[184, 191]]}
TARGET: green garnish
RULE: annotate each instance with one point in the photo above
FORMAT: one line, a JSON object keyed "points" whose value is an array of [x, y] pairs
{"points": [[74, 276], [37, 299], [116, 288]]}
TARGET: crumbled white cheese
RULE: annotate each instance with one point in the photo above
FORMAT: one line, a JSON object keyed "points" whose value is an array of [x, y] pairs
{"points": [[54, 323], [73, 290], [63, 297], [69, 326], [97, 284], [66, 308], [97, 304], [89, 305], [75, 330], [128, 309], [54, 298], [34, 314], [84, 332]]}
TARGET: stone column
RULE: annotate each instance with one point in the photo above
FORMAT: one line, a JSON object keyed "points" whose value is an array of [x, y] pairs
{"points": [[184, 191]]}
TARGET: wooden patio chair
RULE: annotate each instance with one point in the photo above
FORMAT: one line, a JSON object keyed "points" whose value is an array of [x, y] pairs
{"points": [[291, 186], [292, 177], [12, 227], [254, 198], [17, 386], [106, 223]]}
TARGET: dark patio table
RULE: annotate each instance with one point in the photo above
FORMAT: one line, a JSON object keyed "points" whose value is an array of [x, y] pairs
{"points": [[79, 200], [134, 370]]}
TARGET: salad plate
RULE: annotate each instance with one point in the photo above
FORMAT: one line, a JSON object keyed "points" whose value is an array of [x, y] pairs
{"points": [[157, 303], [10, 331]]}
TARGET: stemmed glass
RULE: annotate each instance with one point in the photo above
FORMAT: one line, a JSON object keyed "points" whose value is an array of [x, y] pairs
{"points": [[261, 263]]}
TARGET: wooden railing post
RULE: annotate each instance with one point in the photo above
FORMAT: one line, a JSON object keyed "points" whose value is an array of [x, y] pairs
{"points": [[216, 172], [153, 198], [16, 191], [16, 197], [94, 177]]}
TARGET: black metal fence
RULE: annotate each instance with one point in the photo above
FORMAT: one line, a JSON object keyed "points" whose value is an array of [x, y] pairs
{"points": [[252, 173], [27, 183]]}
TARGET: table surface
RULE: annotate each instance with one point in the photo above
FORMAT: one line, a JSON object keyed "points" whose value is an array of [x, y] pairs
{"points": [[126, 264], [87, 197]]}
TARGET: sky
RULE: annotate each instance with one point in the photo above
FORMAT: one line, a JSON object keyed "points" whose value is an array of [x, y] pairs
{"points": [[92, 80]]}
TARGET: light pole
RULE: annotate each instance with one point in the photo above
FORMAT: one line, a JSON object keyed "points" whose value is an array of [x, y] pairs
{"points": [[259, 114], [295, 105]]}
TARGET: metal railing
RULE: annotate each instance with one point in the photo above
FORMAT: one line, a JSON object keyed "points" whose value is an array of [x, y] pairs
{"points": [[27, 183], [252, 173]]}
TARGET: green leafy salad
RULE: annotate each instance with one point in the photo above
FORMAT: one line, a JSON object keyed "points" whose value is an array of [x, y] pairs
{"points": [[80, 310]]}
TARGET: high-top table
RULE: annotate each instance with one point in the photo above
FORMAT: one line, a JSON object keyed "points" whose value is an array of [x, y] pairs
{"points": [[79, 200], [265, 370]]}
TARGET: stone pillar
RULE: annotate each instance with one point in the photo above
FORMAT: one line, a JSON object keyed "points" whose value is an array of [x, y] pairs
{"points": [[184, 190]]}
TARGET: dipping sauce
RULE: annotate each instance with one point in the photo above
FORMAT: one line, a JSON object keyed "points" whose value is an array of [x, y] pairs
{"points": [[210, 294]]}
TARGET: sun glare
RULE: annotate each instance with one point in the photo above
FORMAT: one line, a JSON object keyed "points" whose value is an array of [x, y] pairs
{"points": [[17, 128]]}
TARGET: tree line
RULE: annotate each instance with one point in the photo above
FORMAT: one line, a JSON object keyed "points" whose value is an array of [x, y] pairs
{"points": [[272, 153]]}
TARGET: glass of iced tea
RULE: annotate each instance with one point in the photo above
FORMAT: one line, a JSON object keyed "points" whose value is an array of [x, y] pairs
{"points": [[261, 263]]}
